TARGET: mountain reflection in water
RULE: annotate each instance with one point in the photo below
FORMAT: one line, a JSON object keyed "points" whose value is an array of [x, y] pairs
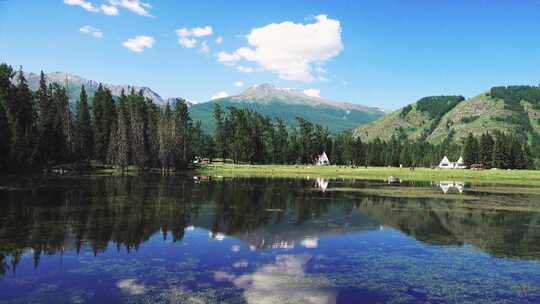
{"points": [[285, 217]]}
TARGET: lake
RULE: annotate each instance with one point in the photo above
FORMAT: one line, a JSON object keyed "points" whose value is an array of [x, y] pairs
{"points": [[155, 239]]}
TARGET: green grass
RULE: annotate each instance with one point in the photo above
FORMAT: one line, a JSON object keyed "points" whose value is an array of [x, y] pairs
{"points": [[510, 177]]}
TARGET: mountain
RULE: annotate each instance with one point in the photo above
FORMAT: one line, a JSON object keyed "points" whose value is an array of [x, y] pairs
{"points": [[287, 104], [74, 84], [265, 99], [513, 109]]}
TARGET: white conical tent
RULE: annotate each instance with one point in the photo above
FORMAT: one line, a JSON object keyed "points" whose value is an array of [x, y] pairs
{"points": [[445, 163], [460, 161], [323, 159]]}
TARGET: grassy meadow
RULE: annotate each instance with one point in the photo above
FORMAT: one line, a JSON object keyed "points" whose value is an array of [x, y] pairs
{"points": [[511, 177]]}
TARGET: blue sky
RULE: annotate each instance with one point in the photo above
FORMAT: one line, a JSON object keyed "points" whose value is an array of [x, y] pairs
{"points": [[379, 53]]}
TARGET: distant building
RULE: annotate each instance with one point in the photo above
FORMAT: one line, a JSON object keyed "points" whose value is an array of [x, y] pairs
{"points": [[322, 160], [447, 164]]}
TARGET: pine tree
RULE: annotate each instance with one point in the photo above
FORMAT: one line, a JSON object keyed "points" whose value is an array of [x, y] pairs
{"points": [[306, 135], [527, 157], [46, 148], [63, 137], [83, 129], [137, 118], [486, 150], [152, 133], [357, 151], [182, 123], [220, 132], [101, 131], [498, 158], [166, 134], [119, 143], [470, 150], [106, 115], [22, 121], [281, 147], [5, 138], [6, 96]]}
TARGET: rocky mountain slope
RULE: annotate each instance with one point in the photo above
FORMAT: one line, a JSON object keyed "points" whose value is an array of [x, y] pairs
{"points": [[74, 84]]}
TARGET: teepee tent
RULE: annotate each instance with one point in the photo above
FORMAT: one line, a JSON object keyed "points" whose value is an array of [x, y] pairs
{"points": [[445, 163], [322, 160]]}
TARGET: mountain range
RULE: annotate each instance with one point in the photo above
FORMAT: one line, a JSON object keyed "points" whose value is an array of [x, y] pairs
{"points": [[287, 104], [266, 99], [73, 83], [514, 109]]}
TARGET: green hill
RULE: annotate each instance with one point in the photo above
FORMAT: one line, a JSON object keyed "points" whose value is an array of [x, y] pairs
{"points": [[513, 109]]}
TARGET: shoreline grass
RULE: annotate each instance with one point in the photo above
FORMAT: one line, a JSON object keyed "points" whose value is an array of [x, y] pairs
{"points": [[510, 177]]}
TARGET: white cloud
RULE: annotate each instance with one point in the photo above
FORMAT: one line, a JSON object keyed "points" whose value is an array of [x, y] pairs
{"points": [[219, 40], [131, 287], [320, 70], [312, 93], [138, 43], [204, 47], [228, 58], [322, 78], [88, 6], [245, 69], [221, 94], [222, 276], [202, 31], [241, 264], [109, 10], [285, 280], [187, 42], [87, 29], [183, 32], [185, 37], [290, 49], [135, 6], [239, 84]]}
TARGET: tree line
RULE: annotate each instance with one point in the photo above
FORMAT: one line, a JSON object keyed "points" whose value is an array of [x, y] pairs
{"points": [[39, 128], [245, 136]]}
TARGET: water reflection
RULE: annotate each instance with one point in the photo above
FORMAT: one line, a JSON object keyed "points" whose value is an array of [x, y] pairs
{"points": [[285, 281], [67, 214], [449, 185], [270, 241], [321, 184]]}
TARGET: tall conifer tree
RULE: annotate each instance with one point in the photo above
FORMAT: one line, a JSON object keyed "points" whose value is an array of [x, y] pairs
{"points": [[83, 128], [22, 117]]}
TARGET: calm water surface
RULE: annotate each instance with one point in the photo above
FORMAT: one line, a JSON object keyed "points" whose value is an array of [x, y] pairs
{"points": [[177, 240]]}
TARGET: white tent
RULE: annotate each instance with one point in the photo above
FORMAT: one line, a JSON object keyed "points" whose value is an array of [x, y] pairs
{"points": [[460, 164], [445, 163], [322, 160]]}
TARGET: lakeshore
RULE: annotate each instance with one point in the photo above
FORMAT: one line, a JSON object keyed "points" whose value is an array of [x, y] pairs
{"points": [[492, 176]]}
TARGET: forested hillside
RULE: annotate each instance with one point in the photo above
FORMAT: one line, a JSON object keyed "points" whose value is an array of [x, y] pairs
{"points": [[514, 110]]}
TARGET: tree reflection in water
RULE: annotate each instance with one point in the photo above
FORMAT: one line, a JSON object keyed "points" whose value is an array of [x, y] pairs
{"points": [[66, 214]]}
